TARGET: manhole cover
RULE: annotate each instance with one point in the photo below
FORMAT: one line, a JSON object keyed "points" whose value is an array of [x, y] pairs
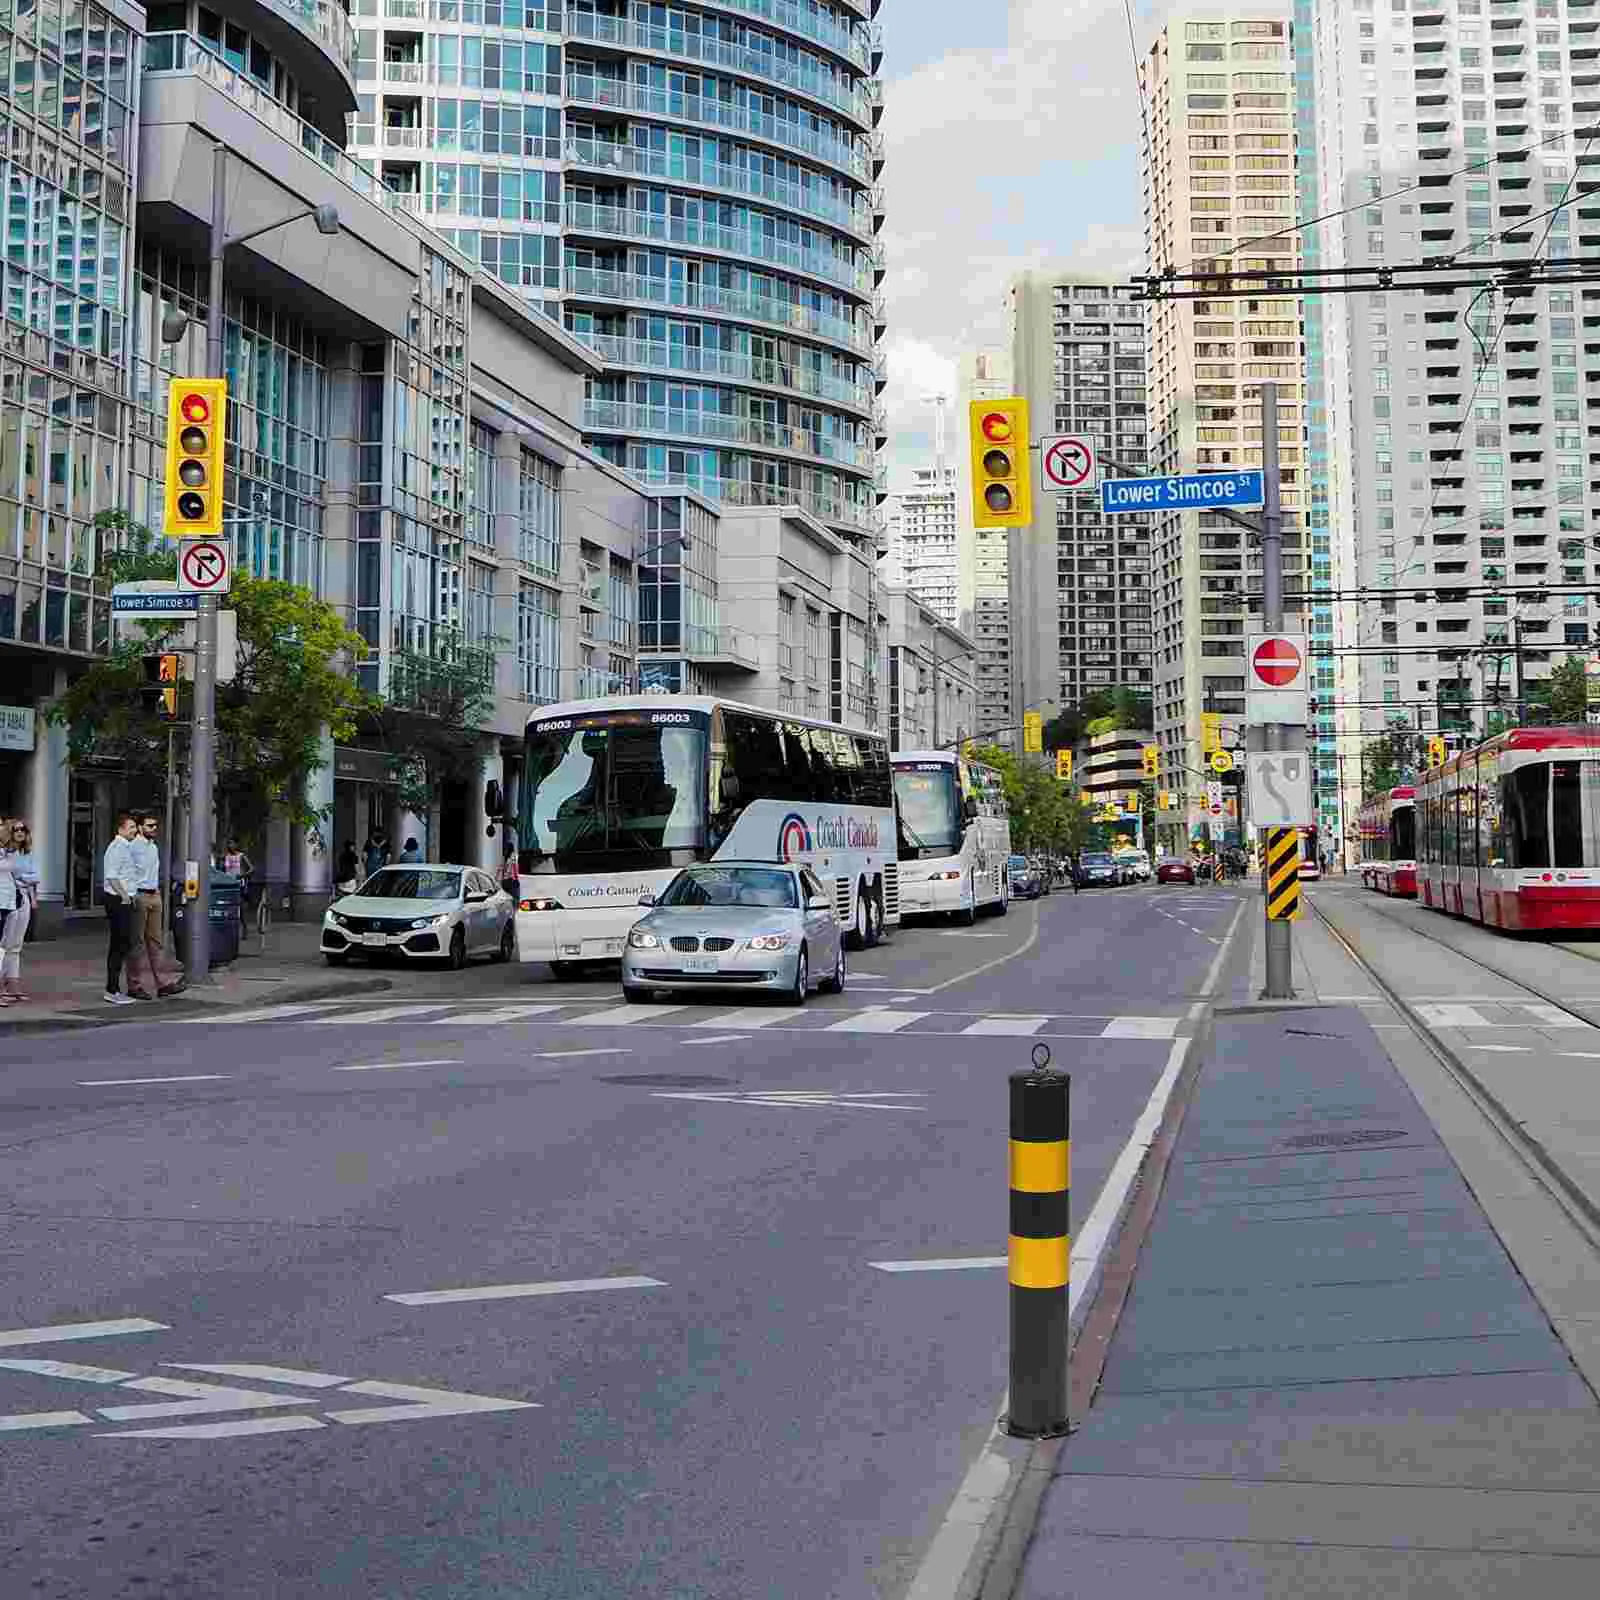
{"points": [[669, 1080], [1340, 1141]]}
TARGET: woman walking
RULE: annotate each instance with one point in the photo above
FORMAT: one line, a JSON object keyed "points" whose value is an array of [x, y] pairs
{"points": [[24, 873], [8, 895]]}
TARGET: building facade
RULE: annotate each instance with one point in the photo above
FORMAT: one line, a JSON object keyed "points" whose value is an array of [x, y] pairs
{"points": [[1080, 582], [930, 674], [1220, 186], [920, 519]]}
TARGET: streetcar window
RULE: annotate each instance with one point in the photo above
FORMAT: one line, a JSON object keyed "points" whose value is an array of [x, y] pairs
{"points": [[1527, 804], [1403, 835], [1566, 814]]}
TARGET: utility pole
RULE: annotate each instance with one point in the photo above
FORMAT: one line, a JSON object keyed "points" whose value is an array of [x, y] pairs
{"points": [[1279, 932], [1516, 668]]}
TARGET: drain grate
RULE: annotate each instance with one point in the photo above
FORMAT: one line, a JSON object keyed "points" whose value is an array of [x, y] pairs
{"points": [[1346, 1139], [668, 1080]]}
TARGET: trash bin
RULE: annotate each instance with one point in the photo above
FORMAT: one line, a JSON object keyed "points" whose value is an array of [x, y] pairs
{"points": [[227, 917]]}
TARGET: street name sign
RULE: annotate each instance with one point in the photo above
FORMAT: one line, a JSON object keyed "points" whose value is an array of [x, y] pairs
{"points": [[1280, 789], [1067, 462], [1275, 678], [152, 597], [1201, 491]]}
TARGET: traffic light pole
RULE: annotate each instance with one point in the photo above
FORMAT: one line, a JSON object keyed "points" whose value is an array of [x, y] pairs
{"points": [[202, 743], [1279, 933]]}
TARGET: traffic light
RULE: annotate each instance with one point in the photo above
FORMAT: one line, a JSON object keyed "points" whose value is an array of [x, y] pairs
{"points": [[160, 691], [1064, 765], [196, 415], [1151, 755], [1002, 487]]}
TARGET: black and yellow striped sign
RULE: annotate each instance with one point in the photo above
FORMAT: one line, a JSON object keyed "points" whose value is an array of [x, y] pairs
{"points": [[1283, 874]]}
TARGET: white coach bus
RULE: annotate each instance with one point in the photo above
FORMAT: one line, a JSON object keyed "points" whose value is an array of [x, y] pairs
{"points": [[617, 794], [955, 836]]}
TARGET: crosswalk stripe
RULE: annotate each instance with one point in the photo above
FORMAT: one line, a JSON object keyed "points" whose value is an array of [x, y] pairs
{"points": [[481, 1019], [1006, 1025], [1140, 1028], [621, 1016], [743, 1017], [1554, 1017], [267, 1013], [875, 1022], [380, 1014], [1454, 1016]]}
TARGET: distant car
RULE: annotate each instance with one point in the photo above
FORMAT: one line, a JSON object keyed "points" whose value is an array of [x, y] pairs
{"points": [[1135, 865], [1175, 871], [1097, 868], [1025, 881], [1042, 871], [422, 913], [736, 925]]}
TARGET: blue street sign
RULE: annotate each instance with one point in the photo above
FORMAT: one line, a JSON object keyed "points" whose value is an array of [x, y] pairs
{"points": [[1203, 491], [156, 605]]}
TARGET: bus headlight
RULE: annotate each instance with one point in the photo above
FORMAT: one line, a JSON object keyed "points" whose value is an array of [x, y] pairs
{"points": [[953, 876], [539, 904], [642, 939]]}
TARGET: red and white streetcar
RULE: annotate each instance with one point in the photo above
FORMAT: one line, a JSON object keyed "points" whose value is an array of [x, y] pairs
{"points": [[1509, 832], [1386, 835]]}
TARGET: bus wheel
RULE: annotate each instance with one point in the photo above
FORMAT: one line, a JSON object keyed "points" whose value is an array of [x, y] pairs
{"points": [[968, 915], [861, 929], [874, 918]]}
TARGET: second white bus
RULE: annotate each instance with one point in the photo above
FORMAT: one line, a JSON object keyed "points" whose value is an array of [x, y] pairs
{"points": [[955, 836]]}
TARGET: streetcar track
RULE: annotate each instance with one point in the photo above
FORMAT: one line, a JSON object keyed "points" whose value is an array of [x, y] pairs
{"points": [[1530, 1152]]}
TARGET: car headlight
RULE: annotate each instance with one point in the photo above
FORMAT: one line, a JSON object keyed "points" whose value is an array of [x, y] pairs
{"points": [[642, 939], [770, 941], [337, 919], [539, 903], [440, 920]]}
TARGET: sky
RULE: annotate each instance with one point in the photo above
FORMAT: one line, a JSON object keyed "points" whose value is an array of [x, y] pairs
{"points": [[1012, 140]]}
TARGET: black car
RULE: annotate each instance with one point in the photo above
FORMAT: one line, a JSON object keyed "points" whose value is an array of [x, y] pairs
{"points": [[1025, 884], [1096, 869]]}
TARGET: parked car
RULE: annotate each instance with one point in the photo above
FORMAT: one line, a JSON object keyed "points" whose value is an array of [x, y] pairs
{"points": [[736, 925], [1041, 869], [428, 912], [1175, 870], [1135, 865], [1025, 881], [1097, 869]]}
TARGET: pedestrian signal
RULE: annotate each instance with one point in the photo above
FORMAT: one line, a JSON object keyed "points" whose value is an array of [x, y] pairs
{"points": [[160, 691], [1064, 765], [1002, 490], [196, 414], [1151, 756]]}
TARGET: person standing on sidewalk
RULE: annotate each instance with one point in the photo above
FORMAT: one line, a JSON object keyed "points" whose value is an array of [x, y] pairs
{"points": [[25, 877], [8, 890], [119, 877], [147, 949]]}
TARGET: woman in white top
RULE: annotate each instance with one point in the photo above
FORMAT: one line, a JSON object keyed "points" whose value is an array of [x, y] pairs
{"points": [[18, 864], [8, 896]]}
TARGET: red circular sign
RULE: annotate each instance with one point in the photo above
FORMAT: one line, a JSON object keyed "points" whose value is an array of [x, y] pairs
{"points": [[1276, 662]]}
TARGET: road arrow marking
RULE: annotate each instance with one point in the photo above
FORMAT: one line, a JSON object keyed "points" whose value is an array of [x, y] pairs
{"points": [[422, 1403], [81, 1330]]}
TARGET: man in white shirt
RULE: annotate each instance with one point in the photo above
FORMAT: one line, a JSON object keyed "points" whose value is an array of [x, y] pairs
{"points": [[119, 875], [150, 971]]}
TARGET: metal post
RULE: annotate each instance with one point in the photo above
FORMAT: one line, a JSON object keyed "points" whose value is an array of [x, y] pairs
{"points": [[1279, 936], [202, 744], [1039, 1249], [1516, 668], [166, 830]]}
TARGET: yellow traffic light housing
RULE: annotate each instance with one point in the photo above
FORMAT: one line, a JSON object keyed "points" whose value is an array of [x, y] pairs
{"points": [[1002, 483], [1151, 755], [196, 424]]}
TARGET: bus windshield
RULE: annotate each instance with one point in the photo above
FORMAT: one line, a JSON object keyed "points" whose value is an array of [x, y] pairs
{"points": [[928, 804], [621, 790]]}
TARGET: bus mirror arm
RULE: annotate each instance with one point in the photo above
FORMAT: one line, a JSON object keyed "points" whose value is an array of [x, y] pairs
{"points": [[969, 809]]}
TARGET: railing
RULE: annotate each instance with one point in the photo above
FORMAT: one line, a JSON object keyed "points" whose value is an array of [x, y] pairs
{"points": [[661, 356], [618, 416], [395, 138], [325, 20], [613, 156], [622, 222], [722, 644], [672, 105], [402, 71], [739, 492], [666, 292], [842, 94], [842, 39], [178, 54]]}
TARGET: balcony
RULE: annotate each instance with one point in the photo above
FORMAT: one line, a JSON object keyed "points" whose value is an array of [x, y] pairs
{"points": [[723, 647], [834, 509], [616, 416], [403, 71], [818, 28], [325, 21]]}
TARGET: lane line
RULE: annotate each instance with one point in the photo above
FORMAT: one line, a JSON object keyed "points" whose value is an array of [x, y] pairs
{"points": [[726, 1038], [63, 1331], [520, 1291], [568, 1055], [112, 1083], [389, 1066], [941, 1264], [218, 1430], [999, 961], [1503, 1049]]}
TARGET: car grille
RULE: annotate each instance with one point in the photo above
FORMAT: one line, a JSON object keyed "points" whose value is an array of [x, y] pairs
{"points": [[719, 944], [684, 944], [377, 924]]}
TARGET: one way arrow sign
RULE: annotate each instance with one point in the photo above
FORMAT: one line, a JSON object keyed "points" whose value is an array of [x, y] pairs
{"points": [[1280, 789]]}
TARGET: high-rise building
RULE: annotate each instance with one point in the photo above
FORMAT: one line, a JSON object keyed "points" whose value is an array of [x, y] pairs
{"points": [[1080, 581], [921, 522], [1457, 430], [982, 560], [1219, 188], [692, 191]]}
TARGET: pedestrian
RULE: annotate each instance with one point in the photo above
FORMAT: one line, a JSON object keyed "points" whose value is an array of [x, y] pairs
{"points": [[25, 877], [510, 874], [146, 945], [347, 874], [411, 854], [8, 888], [119, 878], [377, 852]]}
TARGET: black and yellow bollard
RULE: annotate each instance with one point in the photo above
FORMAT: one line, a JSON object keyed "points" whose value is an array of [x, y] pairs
{"points": [[1040, 1250]]}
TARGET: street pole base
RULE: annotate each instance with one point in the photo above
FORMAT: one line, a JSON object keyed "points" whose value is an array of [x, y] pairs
{"points": [[1014, 1430]]}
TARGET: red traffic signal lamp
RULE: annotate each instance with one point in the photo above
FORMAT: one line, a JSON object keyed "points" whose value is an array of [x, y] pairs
{"points": [[1002, 485], [160, 691], [196, 424]]}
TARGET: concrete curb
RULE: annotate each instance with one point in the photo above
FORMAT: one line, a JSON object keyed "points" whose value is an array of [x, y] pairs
{"points": [[78, 1021]]}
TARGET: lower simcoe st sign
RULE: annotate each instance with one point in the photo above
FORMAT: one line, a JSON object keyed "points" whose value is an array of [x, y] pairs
{"points": [[1203, 491]]}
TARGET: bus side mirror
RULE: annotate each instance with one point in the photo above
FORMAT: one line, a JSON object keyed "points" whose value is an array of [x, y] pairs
{"points": [[728, 789], [493, 799], [969, 809]]}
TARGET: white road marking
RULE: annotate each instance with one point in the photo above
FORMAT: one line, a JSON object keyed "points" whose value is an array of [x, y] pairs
{"points": [[1140, 1028], [199, 1398], [1504, 1049], [421, 1404], [68, 1369], [386, 1066], [21, 1421], [270, 1013], [1581, 1055], [1453, 1016], [217, 1430], [806, 1099], [726, 1038], [486, 1019], [1554, 1017], [567, 1055], [379, 1014], [261, 1374], [940, 1264], [111, 1083], [1006, 1025], [621, 1016], [520, 1291], [742, 1017], [81, 1330], [876, 1022]]}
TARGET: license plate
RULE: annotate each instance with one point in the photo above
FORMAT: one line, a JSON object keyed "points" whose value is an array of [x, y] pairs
{"points": [[375, 938], [700, 964]]}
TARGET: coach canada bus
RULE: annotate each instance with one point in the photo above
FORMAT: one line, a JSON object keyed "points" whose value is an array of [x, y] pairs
{"points": [[955, 836], [619, 793]]}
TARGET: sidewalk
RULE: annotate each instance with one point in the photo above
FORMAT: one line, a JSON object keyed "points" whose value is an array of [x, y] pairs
{"points": [[1332, 1378], [65, 979]]}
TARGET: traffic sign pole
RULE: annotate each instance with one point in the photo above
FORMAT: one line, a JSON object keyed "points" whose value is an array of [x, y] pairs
{"points": [[1279, 931]]}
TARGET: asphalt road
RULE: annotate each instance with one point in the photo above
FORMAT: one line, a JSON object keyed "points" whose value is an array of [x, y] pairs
{"points": [[749, 1405]]}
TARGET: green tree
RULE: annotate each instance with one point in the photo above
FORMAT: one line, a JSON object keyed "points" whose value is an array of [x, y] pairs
{"points": [[1381, 761], [1046, 814], [1566, 692]]}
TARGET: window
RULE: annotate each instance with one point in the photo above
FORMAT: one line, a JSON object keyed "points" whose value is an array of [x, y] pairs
{"points": [[539, 514]]}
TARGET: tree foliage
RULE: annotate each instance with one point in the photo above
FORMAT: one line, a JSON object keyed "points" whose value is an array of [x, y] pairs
{"points": [[1046, 814], [1383, 763], [1566, 692]]}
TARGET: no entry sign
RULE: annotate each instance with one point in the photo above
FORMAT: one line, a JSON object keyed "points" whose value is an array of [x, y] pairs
{"points": [[203, 567], [1278, 662], [1275, 677]]}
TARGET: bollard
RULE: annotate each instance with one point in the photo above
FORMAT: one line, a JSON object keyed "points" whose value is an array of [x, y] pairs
{"points": [[1039, 1250]]}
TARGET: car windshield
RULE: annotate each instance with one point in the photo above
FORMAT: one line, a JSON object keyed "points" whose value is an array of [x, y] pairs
{"points": [[1019, 861], [413, 883], [732, 886], [1096, 858], [928, 809]]}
